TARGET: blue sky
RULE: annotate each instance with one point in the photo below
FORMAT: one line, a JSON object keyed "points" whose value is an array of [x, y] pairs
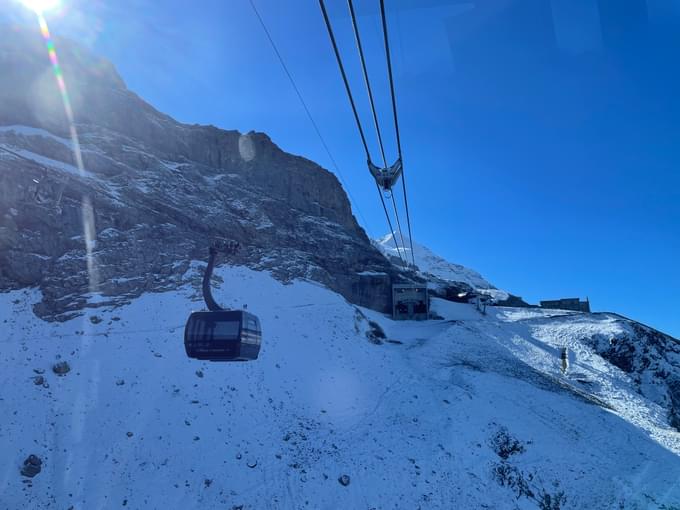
{"points": [[540, 137]]}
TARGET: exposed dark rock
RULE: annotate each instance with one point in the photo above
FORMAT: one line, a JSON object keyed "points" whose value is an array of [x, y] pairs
{"points": [[515, 301], [375, 334], [344, 480], [199, 373], [650, 357], [155, 194], [32, 466], [61, 368], [529, 485], [505, 445], [38, 380]]}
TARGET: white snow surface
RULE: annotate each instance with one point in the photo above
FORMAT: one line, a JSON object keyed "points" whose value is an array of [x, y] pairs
{"points": [[49, 162], [429, 263], [410, 421], [32, 131]]}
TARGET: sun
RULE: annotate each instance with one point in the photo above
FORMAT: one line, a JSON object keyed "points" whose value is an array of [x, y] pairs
{"points": [[40, 6]]}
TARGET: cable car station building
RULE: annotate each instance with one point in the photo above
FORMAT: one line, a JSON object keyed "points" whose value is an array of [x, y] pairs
{"points": [[410, 302]]}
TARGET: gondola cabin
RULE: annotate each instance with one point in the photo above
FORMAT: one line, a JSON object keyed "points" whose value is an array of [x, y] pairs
{"points": [[226, 335]]}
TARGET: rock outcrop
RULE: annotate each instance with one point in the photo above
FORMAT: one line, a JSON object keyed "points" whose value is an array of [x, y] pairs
{"points": [[651, 359], [152, 194]]}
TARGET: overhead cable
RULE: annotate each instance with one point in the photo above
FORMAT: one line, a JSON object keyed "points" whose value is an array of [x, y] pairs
{"points": [[307, 110], [356, 115], [396, 122]]}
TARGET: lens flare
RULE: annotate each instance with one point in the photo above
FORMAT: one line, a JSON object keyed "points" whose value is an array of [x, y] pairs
{"points": [[89, 230], [41, 6]]}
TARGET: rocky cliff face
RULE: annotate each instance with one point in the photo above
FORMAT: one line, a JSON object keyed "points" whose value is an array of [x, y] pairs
{"points": [[649, 357], [153, 193]]}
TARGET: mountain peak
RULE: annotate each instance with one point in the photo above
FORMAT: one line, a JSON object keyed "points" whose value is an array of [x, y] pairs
{"points": [[431, 265], [158, 193]]}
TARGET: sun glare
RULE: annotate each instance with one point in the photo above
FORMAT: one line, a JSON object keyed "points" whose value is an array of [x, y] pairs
{"points": [[40, 6]]}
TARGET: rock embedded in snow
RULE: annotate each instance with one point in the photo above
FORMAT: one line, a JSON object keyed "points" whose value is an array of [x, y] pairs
{"points": [[505, 445], [61, 368], [344, 480], [32, 466], [38, 380]]}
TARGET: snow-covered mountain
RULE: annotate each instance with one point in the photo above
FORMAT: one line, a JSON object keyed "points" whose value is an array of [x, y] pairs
{"points": [[152, 193], [99, 268], [472, 411], [432, 265]]}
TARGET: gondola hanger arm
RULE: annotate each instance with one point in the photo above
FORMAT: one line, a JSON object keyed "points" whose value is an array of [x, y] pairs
{"points": [[223, 246]]}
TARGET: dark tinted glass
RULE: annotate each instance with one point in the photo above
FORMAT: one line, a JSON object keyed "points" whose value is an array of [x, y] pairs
{"points": [[209, 329]]}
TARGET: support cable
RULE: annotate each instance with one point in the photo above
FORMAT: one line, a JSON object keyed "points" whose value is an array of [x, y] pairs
{"points": [[396, 214], [367, 81], [331, 36], [309, 113], [396, 123], [389, 222], [344, 77]]}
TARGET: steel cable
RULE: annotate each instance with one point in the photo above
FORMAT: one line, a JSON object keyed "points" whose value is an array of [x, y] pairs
{"points": [[396, 124], [338, 58]]}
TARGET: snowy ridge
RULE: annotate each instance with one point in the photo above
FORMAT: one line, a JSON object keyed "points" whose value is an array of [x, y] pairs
{"points": [[467, 412], [36, 132], [429, 263]]}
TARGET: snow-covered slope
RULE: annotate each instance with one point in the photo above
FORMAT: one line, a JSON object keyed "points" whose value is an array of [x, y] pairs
{"points": [[429, 263], [467, 412]]}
